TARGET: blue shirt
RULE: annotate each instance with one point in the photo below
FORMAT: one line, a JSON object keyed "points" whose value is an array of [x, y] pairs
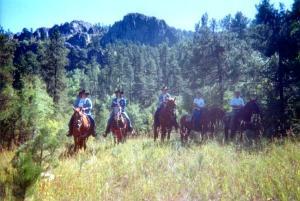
{"points": [[88, 106], [236, 102], [84, 103], [78, 102], [123, 103], [163, 98], [115, 102]]}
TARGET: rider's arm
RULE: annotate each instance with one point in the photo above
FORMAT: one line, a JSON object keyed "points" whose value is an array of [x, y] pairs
{"points": [[232, 103], [202, 103], [195, 103], [160, 98], [88, 104], [76, 102], [242, 102], [113, 103]]}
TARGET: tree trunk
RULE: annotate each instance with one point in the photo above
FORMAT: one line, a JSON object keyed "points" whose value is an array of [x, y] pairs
{"points": [[281, 93], [220, 80]]}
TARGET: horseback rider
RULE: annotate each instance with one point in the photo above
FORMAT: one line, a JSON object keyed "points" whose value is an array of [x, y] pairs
{"points": [[198, 105], [115, 103], [77, 103], [123, 104], [162, 100], [236, 104], [86, 106]]}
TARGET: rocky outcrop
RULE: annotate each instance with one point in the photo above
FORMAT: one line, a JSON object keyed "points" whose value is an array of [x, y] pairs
{"points": [[86, 42], [80, 40], [139, 28]]}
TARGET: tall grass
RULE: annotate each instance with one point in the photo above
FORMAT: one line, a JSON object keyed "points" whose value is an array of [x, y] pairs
{"points": [[143, 170], [6, 175]]}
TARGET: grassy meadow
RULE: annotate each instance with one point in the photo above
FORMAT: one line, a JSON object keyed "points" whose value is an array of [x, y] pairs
{"points": [[143, 170]]}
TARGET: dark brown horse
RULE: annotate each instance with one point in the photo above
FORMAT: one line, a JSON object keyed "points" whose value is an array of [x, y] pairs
{"points": [[119, 126], [247, 118], [186, 125], [80, 129], [166, 120], [216, 116]]}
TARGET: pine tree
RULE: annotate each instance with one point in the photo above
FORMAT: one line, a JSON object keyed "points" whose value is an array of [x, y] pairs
{"points": [[53, 69]]}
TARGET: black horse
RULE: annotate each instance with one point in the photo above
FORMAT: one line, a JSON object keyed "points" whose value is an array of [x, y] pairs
{"points": [[247, 118]]}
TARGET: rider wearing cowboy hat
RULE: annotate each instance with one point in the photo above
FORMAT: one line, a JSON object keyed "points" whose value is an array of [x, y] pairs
{"points": [[163, 98], [123, 104], [115, 103], [86, 105]]}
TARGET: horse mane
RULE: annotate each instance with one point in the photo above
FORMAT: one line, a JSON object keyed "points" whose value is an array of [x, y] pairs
{"points": [[85, 120]]}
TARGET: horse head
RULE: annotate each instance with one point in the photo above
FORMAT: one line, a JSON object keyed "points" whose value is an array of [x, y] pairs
{"points": [[117, 112], [171, 104], [252, 111], [252, 107], [78, 117]]}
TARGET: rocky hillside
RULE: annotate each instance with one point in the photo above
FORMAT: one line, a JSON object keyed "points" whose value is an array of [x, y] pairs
{"points": [[86, 41], [142, 29], [136, 28]]}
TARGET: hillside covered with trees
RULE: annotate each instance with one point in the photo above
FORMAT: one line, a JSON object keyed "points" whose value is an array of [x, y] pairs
{"points": [[42, 71]]}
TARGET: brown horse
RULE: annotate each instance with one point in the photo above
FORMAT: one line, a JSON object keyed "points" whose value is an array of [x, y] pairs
{"points": [[247, 118], [216, 116], [119, 126], [186, 125], [166, 119], [81, 129]]}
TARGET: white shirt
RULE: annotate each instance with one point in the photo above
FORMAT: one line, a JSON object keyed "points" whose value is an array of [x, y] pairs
{"points": [[199, 102], [236, 102]]}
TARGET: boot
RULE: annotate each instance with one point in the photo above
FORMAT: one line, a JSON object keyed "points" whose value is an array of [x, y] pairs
{"points": [[69, 133], [130, 129]]}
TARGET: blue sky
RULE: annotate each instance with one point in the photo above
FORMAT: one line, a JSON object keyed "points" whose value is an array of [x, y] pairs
{"points": [[184, 14]]}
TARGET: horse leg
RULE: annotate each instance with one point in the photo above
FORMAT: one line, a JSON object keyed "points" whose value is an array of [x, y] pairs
{"points": [[76, 142], [232, 132], [226, 133], [155, 133], [204, 135], [119, 136], [213, 128], [186, 137], [84, 143], [169, 133], [182, 133], [124, 134], [163, 134], [80, 143]]}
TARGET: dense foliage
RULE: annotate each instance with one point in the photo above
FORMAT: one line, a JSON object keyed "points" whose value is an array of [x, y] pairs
{"points": [[260, 58], [41, 73]]}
